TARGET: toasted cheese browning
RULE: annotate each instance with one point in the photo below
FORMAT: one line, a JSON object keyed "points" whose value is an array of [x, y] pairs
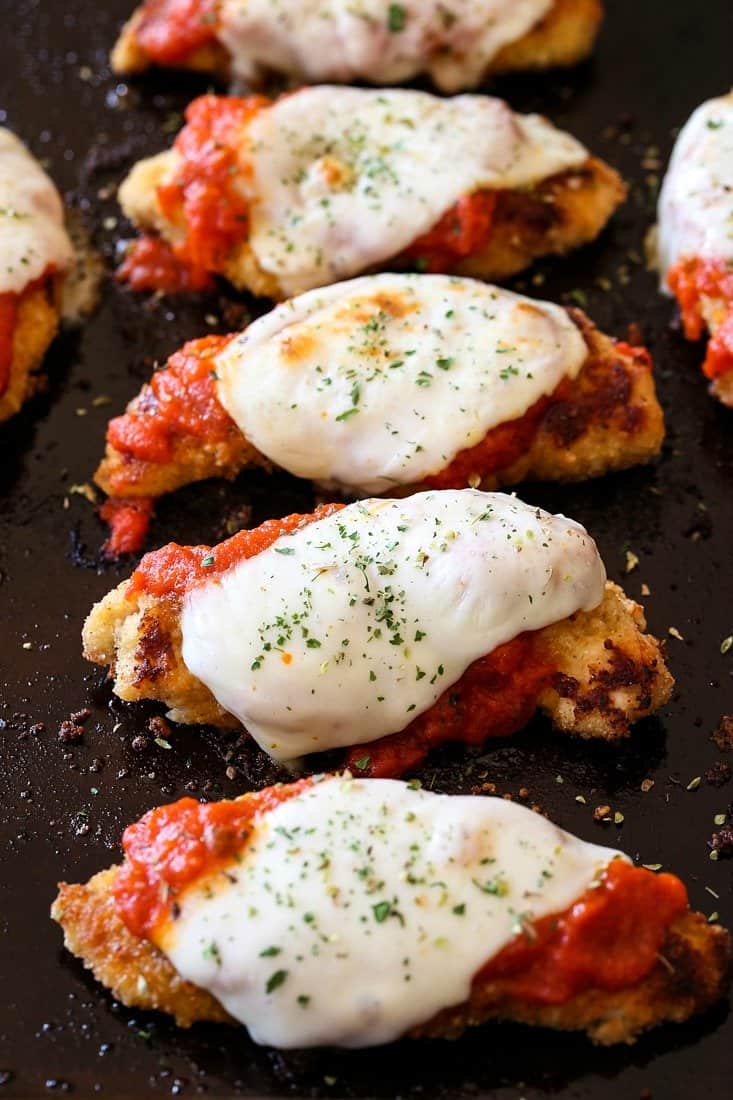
{"points": [[316, 42], [318, 187], [607, 418]]}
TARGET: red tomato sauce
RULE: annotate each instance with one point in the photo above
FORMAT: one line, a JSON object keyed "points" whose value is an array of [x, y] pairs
{"points": [[151, 264], [173, 569], [202, 202], [181, 400], [609, 939], [495, 697], [128, 521], [460, 232], [170, 847], [693, 279], [8, 321], [9, 307], [205, 203], [170, 30], [500, 448], [204, 195]]}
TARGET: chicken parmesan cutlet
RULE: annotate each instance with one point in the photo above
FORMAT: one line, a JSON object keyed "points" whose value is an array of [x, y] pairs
{"points": [[385, 628], [345, 912], [386, 384], [282, 196], [36, 254], [695, 241], [349, 41]]}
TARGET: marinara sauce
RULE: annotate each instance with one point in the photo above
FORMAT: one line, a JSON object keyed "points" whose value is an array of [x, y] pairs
{"points": [[204, 200], [170, 847], [608, 939], [462, 230], [9, 308], [692, 279], [180, 400], [172, 570], [128, 522], [171, 30], [8, 321], [495, 696], [500, 448]]}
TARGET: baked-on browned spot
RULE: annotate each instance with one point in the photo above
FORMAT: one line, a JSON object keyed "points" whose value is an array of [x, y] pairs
{"points": [[36, 325], [564, 37], [691, 974], [556, 216], [608, 419], [608, 672]]}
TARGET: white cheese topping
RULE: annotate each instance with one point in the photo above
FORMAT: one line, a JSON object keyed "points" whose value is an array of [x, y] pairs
{"points": [[32, 234], [341, 179], [696, 201], [383, 380], [373, 40], [361, 908], [350, 628]]}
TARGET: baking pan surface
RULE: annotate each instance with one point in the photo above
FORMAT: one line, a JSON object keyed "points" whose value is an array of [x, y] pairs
{"points": [[63, 804]]}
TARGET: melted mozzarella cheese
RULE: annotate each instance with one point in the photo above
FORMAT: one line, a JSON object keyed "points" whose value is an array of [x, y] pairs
{"points": [[342, 179], [32, 234], [696, 201], [362, 908], [373, 40], [350, 628], [383, 380]]}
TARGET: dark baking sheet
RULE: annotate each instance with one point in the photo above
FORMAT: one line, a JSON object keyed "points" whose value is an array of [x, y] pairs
{"points": [[63, 806]]}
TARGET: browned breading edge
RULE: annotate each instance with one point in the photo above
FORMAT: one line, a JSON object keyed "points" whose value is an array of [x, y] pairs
{"points": [[610, 419], [691, 974], [555, 217], [36, 326], [565, 36], [608, 673]]}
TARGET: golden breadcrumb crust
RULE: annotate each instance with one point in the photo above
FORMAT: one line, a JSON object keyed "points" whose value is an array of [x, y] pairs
{"points": [[192, 459], [691, 974], [608, 673], [565, 36], [556, 216], [129, 58], [560, 214], [36, 326], [610, 419]]}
